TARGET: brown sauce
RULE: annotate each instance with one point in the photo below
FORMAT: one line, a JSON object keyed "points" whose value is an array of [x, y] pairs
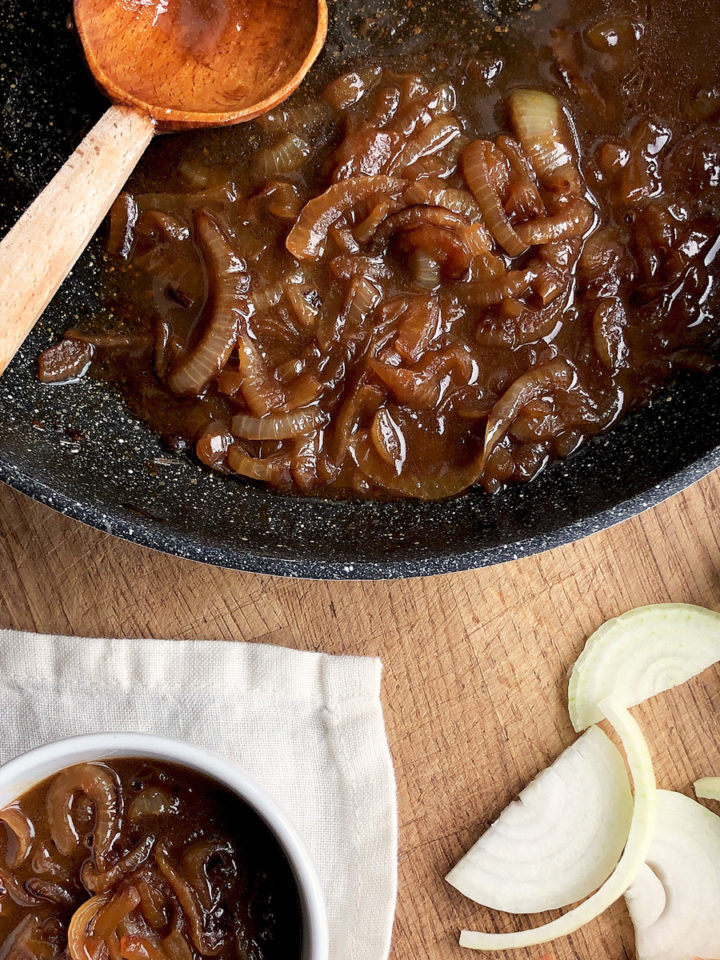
{"points": [[437, 271], [135, 859]]}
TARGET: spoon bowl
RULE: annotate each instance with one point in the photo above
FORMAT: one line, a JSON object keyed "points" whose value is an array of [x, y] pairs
{"points": [[195, 63], [166, 65]]}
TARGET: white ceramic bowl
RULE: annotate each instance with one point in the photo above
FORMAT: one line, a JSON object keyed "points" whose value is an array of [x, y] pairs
{"points": [[23, 772]]}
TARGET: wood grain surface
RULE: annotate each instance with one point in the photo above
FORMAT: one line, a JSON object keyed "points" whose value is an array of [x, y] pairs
{"points": [[475, 668]]}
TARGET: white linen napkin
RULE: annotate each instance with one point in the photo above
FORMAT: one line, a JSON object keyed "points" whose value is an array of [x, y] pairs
{"points": [[307, 726]]}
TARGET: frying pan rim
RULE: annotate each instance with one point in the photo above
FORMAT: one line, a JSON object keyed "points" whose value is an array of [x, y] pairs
{"points": [[143, 532]]}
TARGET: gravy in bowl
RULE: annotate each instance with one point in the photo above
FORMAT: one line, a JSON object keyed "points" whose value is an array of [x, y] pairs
{"points": [[139, 859]]}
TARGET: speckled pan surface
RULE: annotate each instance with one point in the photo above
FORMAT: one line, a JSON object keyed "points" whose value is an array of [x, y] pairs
{"points": [[76, 449]]}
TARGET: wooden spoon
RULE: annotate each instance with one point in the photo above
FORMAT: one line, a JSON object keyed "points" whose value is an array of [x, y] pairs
{"points": [[167, 65]]}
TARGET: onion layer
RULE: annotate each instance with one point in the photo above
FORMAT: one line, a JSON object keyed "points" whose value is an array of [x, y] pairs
{"points": [[674, 901], [642, 829], [228, 309], [278, 426], [642, 653], [560, 840], [307, 239]]}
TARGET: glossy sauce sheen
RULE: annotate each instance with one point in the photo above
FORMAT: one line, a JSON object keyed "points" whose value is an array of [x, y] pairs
{"points": [[147, 860], [452, 311]]}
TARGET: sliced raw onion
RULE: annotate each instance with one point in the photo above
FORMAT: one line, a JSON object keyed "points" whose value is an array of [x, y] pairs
{"points": [[640, 654], [642, 828], [280, 426], [560, 840], [674, 901], [707, 788]]}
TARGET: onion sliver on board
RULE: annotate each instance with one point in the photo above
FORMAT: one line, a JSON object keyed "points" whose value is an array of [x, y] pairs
{"points": [[642, 828], [707, 788], [560, 839], [674, 901], [640, 654]]}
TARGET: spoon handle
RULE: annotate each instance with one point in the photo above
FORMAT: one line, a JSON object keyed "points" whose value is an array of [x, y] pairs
{"points": [[40, 250]]}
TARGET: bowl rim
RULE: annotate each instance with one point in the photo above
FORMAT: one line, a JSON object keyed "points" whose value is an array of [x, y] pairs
{"points": [[174, 543], [34, 765]]}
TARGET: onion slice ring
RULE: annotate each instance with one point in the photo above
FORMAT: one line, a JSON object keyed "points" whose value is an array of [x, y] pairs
{"points": [[642, 828], [642, 653]]}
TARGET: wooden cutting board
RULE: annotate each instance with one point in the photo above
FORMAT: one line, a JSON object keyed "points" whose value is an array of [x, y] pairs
{"points": [[475, 668]]}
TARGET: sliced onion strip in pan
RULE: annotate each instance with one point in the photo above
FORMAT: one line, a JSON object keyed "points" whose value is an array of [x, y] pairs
{"points": [[640, 654], [641, 832], [560, 840]]}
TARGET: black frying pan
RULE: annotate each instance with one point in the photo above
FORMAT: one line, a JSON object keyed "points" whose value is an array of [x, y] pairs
{"points": [[76, 449]]}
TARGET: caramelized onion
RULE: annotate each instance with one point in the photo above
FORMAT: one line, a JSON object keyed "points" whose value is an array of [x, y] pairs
{"points": [[419, 323], [363, 402], [196, 864], [416, 216], [274, 469], [123, 218], [388, 439], [99, 784], [228, 309], [476, 160], [308, 236], [429, 486], [350, 87], [135, 947], [543, 130], [99, 881], [422, 385], [514, 283], [65, 361], [15, 889], [573, 219], [20, 832], [547, 379], [524, 197], [527, 326], [447, 247], [176, 947], [438, 194], [362, 299], [425, 270], [81, 945], [609, 327], [208, 943], [24, 942], [437, 135], [278, 426], [105, 926], [282, 157], [152, 802], [259, 392], [49, 890]]}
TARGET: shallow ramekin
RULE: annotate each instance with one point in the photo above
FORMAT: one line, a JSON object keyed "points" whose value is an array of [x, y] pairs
{"points": [[23, 772]]}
